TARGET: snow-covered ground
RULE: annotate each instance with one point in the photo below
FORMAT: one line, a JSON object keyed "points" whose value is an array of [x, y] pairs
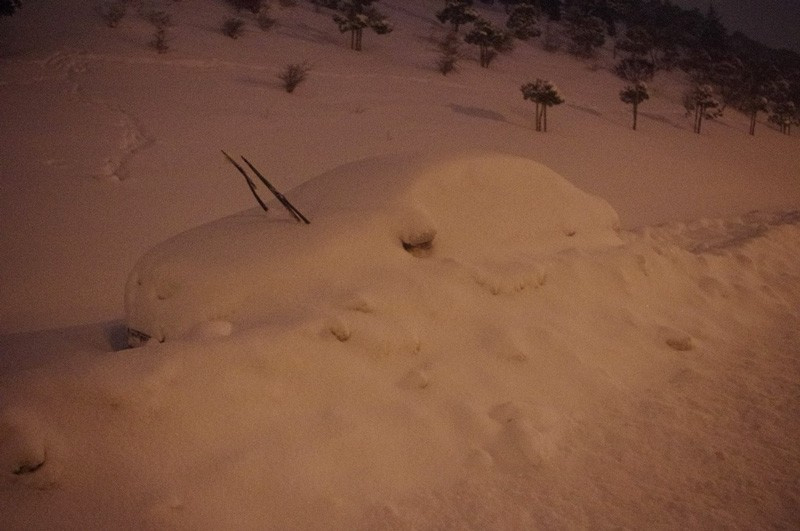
{"points": [[537, 367]]}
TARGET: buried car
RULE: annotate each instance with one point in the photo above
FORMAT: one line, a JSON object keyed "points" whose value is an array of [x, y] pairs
{"points": [[372, 222]]}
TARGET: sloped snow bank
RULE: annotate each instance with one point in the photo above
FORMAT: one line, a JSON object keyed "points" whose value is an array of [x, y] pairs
{"points": [[466, 209]]}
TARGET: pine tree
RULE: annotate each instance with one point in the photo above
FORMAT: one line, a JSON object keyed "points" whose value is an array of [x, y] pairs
{"points": [[522, 21], [784, 115], [457, 13], [586, 33], [638, 64], [544, 94], [489, 39], [634, 95], [355, 15], [701, 102]]}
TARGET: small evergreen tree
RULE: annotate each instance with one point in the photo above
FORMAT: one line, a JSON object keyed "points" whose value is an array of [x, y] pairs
{"points": [[355, 15], [457, 13], [544, 94], [634, 95], [700, 102], [522, 21], [489, 39]]}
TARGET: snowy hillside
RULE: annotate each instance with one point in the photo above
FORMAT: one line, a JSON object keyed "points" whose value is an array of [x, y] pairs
{"points": [[591, 327]]}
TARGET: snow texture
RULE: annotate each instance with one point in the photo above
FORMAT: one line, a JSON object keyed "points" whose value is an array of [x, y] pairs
{"points": [[482, 327]]}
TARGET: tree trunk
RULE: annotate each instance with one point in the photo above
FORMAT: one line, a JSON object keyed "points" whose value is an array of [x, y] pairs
{"points": [[544, 112], [538, 117], [635, 112], [753, 122]]}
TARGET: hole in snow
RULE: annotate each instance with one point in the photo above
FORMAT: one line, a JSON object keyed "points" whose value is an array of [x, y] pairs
{"points": [[420, 250]]}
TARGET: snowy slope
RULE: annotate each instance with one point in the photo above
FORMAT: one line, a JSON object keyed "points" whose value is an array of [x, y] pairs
{"points": [[116, 148], [511, 377]]}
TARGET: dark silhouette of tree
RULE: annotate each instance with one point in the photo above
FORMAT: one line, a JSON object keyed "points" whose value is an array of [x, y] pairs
{"points": [[634, 95], [544, 94], [489, 39], [587, 32], [355, 15], [784, 115], [700, 102], [457, 13], [522, 21]]}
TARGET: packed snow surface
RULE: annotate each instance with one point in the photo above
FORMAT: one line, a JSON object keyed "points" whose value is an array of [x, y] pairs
{"points": [[482, 327]]}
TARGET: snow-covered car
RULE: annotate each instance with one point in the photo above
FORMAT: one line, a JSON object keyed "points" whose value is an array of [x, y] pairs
{"points": [[388, 223]]}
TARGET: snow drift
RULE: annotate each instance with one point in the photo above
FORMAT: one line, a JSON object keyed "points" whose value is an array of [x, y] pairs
{"points": [[464, 210]]}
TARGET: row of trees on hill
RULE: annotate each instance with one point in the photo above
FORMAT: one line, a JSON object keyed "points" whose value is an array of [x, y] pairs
{"points": [[725, 70]]}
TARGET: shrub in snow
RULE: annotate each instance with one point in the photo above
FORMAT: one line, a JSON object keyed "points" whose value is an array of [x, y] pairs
{"points": [[355, 15], [522, 22], [112, 13], [544, 94], [449, 53], [700, 102], [233, 27], [634, 95], [294, 74], [489, 39], [457, 13]]}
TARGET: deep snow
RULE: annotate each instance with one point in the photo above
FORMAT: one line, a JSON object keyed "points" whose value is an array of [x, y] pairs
{"points": [[509, 378]]}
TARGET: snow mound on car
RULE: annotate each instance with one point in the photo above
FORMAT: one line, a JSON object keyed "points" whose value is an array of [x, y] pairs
{"points": [[371, 221]]}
